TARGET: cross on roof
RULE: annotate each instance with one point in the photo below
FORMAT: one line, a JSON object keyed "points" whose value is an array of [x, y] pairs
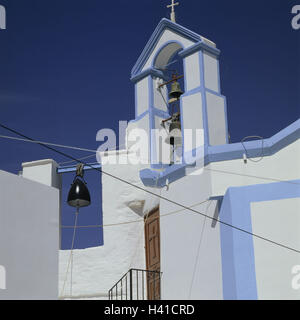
{"points": [[173, 17]]}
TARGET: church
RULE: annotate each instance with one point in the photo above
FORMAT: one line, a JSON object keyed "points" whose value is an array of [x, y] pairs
{"points": [[201, 218]]}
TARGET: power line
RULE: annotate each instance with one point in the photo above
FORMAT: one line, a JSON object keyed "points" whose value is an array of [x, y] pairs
{"points": [[70, 260], [42, 143], [132, 221], [262, 147], [150, 192], [27, 139]]}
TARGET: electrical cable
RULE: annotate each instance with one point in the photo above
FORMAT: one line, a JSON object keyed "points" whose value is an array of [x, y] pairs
{"points": [[262, 147], [198, 251], [161, 197], [142, 233], [132, 221], [92, 155], [44, 144], [70, 260]]}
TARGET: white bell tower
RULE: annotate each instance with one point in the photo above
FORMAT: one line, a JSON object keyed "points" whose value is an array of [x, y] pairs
{"points": [[202, 106]]}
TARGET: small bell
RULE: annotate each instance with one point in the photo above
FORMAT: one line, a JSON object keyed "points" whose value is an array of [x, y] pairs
{"points": [[174, 137], [176, 91], [79, 195]]}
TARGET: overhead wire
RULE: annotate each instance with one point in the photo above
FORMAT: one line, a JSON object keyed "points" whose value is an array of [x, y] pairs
{"points": [[45, 144], [198, 251], [92, 155], [133, 221], [141, 234], [70, 260], [262, 148], [150, 192]]}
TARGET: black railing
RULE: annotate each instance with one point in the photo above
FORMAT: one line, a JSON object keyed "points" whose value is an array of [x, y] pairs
{"points": [[137, 284]]}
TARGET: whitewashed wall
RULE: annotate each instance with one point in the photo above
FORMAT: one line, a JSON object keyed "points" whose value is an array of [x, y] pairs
{"points": [[29, 237], [190, 243], [96, 270], [278, 220], [283, 165]]}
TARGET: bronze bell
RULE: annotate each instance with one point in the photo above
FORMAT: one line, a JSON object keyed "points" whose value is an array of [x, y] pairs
{"points": [[174, 137], [176, 91]]}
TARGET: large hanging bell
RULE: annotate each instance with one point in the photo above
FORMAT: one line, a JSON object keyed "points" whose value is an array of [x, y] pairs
{"points": [[176, 91], [79, 195]]}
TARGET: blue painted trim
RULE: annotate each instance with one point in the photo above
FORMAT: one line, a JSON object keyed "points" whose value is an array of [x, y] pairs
{"points": [[228, 152], [150, 46], [204, 103], [215, 93], [161, 113], [159, 166], [69, 169], [226, 119], [237, 250], [199, 46], [185, 75], [163, 47], [141, 116], [219, 75], [135, 101], [152, 142], [148, 72], [271, 145]]}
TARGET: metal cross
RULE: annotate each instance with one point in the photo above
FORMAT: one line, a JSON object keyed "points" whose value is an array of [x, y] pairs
{"points": [[173, 16]]}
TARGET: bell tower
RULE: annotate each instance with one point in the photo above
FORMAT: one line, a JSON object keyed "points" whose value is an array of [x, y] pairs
{"points": [[202, 106]]}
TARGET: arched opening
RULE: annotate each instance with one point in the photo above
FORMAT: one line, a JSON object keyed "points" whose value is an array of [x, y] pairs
{"points": [[171, 64]]}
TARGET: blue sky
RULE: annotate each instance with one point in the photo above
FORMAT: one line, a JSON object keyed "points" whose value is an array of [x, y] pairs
{"points": [[65, 68]]}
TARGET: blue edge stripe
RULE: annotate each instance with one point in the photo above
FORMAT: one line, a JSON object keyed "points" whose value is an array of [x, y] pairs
{"points": [[225, 152], [237, 248]]}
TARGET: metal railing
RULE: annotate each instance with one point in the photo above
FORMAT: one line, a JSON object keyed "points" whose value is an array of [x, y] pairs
{"points": [[137, 284]]}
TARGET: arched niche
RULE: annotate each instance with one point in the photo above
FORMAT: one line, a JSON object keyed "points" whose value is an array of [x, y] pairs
{"points": [[166, 54]]}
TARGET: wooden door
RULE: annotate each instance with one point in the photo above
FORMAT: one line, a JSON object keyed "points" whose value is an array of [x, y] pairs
{"points": [[152, 248]]}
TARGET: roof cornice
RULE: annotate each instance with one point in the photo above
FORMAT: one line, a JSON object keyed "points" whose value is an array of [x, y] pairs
{"points": [[162, 26]]}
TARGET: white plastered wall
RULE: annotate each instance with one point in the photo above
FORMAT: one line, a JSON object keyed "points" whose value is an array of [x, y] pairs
{"points": [[217, 130], [192, 71], [142, 96], [192, 118], [96, 270], [160, 98], [29, 237], [211, 72], [283, 165], [278, 220], [190, 243]]}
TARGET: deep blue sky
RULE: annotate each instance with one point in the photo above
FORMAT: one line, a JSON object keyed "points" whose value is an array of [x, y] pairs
{"points": [[65, 68]]}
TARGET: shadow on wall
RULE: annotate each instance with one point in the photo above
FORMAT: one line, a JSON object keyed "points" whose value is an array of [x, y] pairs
{"points": [[217, 211]]}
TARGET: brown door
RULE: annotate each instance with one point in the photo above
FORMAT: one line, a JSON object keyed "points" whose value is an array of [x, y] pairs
{"points": [[152, 247]]}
